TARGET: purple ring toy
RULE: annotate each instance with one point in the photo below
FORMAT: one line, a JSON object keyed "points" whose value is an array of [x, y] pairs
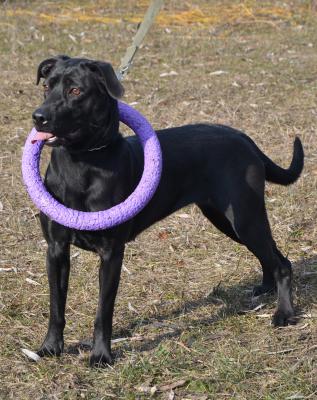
{"points": [[116, 215]]}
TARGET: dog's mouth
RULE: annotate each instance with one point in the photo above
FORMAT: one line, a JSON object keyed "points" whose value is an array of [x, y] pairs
{"points": [[72, 140], [47, 137]]}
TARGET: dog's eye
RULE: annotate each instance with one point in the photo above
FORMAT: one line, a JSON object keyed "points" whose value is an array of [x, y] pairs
{"points": [[74, 91]]}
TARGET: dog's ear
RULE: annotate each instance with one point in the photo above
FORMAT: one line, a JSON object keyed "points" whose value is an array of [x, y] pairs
{"points": [[109, 78], [46, 66]]}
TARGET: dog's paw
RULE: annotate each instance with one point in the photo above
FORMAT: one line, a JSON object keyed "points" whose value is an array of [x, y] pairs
{"points": [[263, 289], [50, 348], [283, 318], [100, 359]]}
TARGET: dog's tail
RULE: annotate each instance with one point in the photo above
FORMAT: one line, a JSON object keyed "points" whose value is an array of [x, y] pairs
{"points": [[277, 174]]}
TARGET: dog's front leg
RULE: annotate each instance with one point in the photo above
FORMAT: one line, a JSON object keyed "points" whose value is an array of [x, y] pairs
{"points": [[58, 265], [109, 277]]}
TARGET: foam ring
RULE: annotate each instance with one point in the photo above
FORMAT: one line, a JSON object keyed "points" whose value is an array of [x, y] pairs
{"points": [[116, 215]]}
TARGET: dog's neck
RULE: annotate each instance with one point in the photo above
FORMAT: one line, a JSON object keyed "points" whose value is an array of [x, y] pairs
{"points": [[105, 132], [106, 136]]}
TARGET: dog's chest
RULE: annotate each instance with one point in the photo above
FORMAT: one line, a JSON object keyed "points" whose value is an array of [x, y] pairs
{"points": [[68, 185], [80, 183], [87, 185], [75, 188]]}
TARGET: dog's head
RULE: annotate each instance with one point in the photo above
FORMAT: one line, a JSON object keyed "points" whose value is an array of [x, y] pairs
{"points": [[80, 108]]}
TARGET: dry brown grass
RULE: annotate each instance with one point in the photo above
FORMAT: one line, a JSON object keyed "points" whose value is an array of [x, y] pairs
{"points": [[190, 286]]}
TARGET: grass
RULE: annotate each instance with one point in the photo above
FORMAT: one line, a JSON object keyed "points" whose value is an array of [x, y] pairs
{"points": [[193, 331]]}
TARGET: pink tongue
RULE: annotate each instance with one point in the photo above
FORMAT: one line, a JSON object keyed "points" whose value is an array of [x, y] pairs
{"points": [[41, 136]]}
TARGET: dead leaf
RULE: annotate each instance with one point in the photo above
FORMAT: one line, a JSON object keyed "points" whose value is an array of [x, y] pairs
{"points": [[146, 387], [257, 308], [163, 235], [284, 351], [183, 215], [131, 308], [296, 396], [125, 269], [172, 386], [171, 395], [171, 73], [75, 255], [219, 72], [33, 356], [263, 315], [32, 282], [7, 269], [118, 340]]}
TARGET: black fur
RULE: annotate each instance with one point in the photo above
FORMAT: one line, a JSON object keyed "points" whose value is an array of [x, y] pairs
{"points": [[216, 167]]}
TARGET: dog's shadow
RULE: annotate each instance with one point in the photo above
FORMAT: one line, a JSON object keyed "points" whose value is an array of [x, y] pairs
{"points": [[233, 300]]}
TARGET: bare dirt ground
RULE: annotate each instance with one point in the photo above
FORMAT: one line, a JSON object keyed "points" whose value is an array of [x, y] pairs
{"points": [[188, 324]]}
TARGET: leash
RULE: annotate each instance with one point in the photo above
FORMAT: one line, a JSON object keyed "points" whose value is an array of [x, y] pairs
{"points": [[126, 61], [145, 25]]}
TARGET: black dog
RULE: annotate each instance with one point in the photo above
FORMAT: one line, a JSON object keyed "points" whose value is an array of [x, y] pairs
{"points": [[93, 167]]}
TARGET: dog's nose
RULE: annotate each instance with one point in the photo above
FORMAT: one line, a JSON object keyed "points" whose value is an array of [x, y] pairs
{"points": [[39, 118]]}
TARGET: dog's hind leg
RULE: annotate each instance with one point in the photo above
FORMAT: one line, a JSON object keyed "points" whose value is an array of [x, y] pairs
{"points": [[220, 221], [58, 266], [243, 218], [109, 277], [268, 284], [253, 229], [254, 232]]}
